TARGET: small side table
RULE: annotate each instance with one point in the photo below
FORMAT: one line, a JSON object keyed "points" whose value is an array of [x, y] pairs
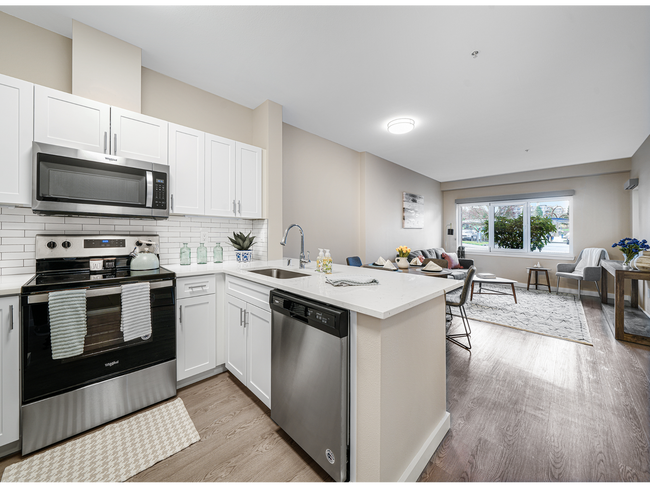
{"points": [[535, 270]]}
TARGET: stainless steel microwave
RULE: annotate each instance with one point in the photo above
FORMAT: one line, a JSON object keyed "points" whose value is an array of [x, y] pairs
{"points": [[71, 181]]}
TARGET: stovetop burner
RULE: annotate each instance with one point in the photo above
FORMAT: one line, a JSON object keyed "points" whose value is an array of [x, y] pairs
{"points": [[76, 279]]}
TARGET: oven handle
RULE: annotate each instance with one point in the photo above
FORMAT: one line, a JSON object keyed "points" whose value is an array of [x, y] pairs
{"points": [[98, 292]]}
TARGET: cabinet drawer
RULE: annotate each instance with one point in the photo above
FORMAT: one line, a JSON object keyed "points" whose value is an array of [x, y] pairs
{"points": [[249, 291], [195, 286]]}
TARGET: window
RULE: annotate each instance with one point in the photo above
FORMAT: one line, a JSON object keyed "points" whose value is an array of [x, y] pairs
{"points": [[531, 226]]}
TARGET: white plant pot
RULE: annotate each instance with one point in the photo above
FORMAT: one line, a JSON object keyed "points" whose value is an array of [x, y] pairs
{"points": [[402, 262]]}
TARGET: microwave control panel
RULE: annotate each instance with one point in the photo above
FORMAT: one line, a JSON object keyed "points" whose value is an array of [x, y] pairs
{"points": [[159, 190]]}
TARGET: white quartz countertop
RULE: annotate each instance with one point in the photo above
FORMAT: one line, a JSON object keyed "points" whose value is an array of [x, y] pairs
{"points": [[395, 293], [11, 284]]}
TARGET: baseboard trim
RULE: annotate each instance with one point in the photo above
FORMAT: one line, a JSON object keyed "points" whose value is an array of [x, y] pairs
{"points": [[419, 462], [11, 448], [201, 376]]}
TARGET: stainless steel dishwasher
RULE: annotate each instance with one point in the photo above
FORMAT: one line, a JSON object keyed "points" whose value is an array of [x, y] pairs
{"points": [[310, 378]]}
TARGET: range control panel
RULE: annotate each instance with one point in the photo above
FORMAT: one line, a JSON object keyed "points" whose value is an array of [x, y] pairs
{"points": [[76, 246]]}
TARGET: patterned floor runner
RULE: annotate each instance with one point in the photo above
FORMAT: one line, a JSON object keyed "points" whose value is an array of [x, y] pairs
{"points": [[115, 453], [541, 312]]}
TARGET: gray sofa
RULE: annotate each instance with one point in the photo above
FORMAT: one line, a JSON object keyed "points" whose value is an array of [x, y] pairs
{"points": [[436, 253]]}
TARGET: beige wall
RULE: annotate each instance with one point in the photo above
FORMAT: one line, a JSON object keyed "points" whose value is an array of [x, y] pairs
{"points": [[320, 181], [601, 216], [31, 53], [641, 207], [384, 183], [105, 68]]}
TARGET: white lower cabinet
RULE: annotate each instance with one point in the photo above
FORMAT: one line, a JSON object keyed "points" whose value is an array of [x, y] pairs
{"points": [[195, 332], [10, 373], [248, 345]]}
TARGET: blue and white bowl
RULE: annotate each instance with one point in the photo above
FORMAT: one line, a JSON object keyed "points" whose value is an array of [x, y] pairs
{"points": [[244, 256]]}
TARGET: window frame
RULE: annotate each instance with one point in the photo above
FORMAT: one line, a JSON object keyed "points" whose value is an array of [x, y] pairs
{"points": [[525, 202]]}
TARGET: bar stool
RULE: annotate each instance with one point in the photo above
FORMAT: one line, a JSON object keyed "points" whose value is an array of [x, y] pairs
{"points": [[460, 304]]}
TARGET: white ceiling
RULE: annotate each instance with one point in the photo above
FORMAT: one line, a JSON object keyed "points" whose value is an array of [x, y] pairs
{"points": [[570, 84]]}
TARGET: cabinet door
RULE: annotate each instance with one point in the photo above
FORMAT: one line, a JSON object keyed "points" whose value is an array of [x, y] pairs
{"points": [[220, 176], [16, 135], [195, 332], [249, 181], [187, 170], [258, 330], [70, 121], [236, 337], [138, 136], [10, 374]]}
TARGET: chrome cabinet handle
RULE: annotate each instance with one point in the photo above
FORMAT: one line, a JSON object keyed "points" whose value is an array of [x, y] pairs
{"points": [[115, 144], [11, 317], [239, 206], [234, 208], [202, 287], [180, 314], [105, 141]]}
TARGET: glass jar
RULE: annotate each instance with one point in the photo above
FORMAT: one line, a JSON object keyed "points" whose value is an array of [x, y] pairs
{"points": [[186, 254], [218, 253], [202, 254]]}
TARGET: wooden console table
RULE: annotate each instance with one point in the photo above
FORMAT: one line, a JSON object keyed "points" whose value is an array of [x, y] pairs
{"points": [[615, 268]]}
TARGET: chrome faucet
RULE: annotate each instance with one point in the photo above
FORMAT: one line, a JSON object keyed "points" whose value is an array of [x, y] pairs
{"points": [[283, 242]]}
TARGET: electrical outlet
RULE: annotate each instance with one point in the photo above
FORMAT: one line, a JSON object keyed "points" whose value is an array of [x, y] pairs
{"points": [[204, 236]]}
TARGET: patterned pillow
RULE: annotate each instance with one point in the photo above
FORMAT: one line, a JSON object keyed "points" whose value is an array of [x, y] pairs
{"points": [[452, 259]]}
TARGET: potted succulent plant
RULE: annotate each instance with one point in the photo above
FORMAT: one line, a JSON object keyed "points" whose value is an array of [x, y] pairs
{"points": [[242, 244]]}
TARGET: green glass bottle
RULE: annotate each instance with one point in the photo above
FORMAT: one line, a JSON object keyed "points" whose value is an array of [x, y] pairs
{"points": [[186, 254], [202, 254], [218, 253]]}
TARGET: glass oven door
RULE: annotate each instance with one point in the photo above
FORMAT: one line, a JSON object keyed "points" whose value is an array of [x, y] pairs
{"points": [[106, 354]]}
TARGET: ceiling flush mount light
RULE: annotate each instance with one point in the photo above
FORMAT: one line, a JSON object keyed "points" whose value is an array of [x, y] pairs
{"points": [[401, 126], [475, 54]]}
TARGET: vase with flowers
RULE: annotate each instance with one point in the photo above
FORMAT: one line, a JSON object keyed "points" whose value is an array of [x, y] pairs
{"points": [[402, 258], [630, 248]]}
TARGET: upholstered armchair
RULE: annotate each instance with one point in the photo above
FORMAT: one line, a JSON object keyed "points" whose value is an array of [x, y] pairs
{"points": [[589, 273]]}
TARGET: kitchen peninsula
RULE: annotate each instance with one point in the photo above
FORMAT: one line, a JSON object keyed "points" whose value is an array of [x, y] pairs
{"points": [[398, 411]]}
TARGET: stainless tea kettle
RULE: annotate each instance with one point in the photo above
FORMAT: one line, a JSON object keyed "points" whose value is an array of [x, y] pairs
{"points": [[144, 258]]}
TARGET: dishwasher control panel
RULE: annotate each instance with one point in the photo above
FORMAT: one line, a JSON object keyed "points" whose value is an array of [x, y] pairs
{"points": [[327, 318]]}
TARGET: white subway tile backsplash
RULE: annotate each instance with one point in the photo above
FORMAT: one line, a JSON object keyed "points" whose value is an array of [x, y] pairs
{"points": [[17, 243]]}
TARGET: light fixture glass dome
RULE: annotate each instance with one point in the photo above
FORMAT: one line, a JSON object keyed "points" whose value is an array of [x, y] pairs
{"points": [[401, 126]]}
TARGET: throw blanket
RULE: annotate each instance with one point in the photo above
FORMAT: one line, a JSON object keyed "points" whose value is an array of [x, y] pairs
{"points": [[351, 280], [67, 311], [590, 258]]}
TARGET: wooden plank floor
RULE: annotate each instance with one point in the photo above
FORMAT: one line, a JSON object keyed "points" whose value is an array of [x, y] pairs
{"points": [[524, 407]]}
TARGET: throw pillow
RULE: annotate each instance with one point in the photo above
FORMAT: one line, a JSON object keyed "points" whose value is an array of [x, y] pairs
{"points": [[452, 259]]}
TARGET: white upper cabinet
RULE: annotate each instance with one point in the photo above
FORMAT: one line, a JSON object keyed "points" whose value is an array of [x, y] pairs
{"points": [[249, 181], [233, 178], [220, 176], [16, 135], [71, 121], [187, 170], [138, 136]]}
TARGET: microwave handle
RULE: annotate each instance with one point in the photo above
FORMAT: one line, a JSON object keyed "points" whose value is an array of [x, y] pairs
{"points": [[149, 189]]}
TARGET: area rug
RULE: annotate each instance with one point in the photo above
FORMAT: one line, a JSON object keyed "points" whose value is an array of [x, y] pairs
{"points": [[560, 316], [115, 453]]}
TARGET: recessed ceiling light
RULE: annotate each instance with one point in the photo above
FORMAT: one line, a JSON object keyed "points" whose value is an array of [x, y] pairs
{"points": [[401, 126]]}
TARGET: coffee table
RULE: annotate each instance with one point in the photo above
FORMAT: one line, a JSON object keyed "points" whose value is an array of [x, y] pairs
{"points": [[494, 281]]}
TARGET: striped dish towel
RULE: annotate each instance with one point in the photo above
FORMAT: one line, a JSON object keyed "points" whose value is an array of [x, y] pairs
{"points": [[136, 311], [67, 310], [351, 280]]}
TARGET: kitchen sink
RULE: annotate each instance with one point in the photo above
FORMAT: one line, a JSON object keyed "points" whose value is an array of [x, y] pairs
{"points": [[281, 274]]}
